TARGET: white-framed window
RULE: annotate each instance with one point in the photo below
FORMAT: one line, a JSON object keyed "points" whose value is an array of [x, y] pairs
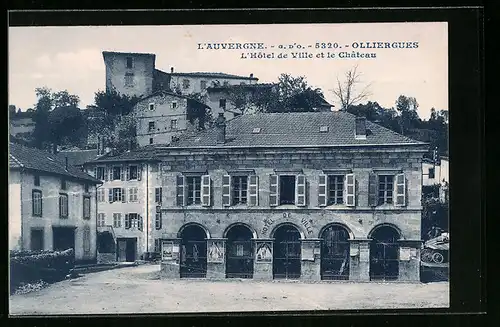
{"points": [[100, 173], [193, 190], [37, 203], [151, 106], [287, 189], [173, 104], [385, 189], [101, 194], [158, 194], [239, 185], [116, 194], [63, 205], [151, 126], [116, 173], [101, 219], [150, 140], [158, 221], [173, 124], [335, 189], [117, 220], [132, 192], [86, 207]]}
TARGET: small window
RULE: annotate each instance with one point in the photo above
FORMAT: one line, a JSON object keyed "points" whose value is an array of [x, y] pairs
{"points": [[203, 85], [151, 126], [101, 219], [129, 79], [37, 180], [117, 220], [173, 104], [256, 130], [37, 203], [222, 103], [151, 106], [323, 129], [150, 140], [63, 205], [64, 185], [117, 172], [287, 189], [185, 84], [129, 62], [432, 173], [86, 207], [173, 124]]}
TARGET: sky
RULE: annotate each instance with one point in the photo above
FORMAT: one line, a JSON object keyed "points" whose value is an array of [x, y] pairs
{"points": [[70, 58]]}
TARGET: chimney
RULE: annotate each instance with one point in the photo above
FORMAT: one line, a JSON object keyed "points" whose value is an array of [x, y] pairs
{"points": [[172, 70], [220, 124], [360, 128], [251, 75]]}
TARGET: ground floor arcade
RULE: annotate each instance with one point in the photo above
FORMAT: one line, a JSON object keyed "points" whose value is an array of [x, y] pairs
{"points": [[287, 254]]}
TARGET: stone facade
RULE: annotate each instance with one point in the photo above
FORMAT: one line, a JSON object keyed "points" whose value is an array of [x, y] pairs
{"points": [[190, 83], [310, 219], [22, 221]]}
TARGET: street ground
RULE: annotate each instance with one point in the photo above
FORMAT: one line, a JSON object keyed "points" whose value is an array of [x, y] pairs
{"points": [[139, 290]]}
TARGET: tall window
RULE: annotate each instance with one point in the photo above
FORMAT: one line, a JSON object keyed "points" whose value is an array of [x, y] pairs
{"points": [[239, 187], [116, 194], [150, 140], [173, 124], [129, 62], [117, 220], [385, 189], [432, 173], [287, 189], [151, 126], [117, 171], [86, 207], [132, 194], [132, 172], [63, 205], [129, 79], [101, 195], [100, 173], [37, 180], [157, 245], [193, 190], [158, 221], [37, 203], [64, 184], [203, 85], [86, 186], [158, 194], [101, 219], [86, 240], [222, 103], [335, 189]]}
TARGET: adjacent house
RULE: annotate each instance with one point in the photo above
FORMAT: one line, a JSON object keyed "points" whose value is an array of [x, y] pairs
{"points": [[436, 173], [22, 125], [52, 205]]}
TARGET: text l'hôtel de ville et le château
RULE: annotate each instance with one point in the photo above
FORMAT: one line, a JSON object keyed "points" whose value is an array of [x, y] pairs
{"points": [[300, 51]]}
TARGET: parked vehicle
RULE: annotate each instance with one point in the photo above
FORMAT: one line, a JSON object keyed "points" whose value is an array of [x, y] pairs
{"points": [[434, 258]]}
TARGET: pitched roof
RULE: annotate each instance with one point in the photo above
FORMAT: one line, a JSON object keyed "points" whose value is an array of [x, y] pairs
{"points": [[166, 92], [104, 53], [140, 154], [30, 158], [215, 75], [241, 86], [300, 129], [77, 157]]}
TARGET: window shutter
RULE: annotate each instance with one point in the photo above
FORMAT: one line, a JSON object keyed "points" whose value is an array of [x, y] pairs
{"points": [[106, 174], [139, 172], [205, 190], [124, 195], [60, 206], [110, 195], [127, 173], [400, 190], [300, 190], [127, 221], [139, 222], [350, 190], [95, 171], [181, 198], [273, 190], [253, 190], [322, 191], [226, 190], [372, 190]]}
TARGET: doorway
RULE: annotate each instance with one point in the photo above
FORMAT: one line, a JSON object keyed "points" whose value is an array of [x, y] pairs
{"points": [[193, 252], [335, 253], [63, 238], [286, 254], [126, 249], [239, 256], [36, 239], [384, 256]]}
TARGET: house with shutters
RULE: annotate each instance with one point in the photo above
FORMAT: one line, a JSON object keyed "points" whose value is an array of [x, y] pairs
{"points": [[322, 195]]}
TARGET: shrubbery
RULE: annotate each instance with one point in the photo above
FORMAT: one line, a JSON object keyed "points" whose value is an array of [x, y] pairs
{"points": [[28, 267]]}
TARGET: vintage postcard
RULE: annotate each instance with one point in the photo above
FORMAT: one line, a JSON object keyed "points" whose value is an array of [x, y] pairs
{"points": [[228, 168]]}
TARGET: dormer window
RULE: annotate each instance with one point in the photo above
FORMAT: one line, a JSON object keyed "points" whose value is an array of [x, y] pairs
{"points": [[323, 129], [256, 130]]}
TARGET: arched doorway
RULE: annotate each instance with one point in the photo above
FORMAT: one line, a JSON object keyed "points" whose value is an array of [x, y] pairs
{"points": [[384, 256], [286, 254], [193, 254], [335, 253], [239, 252]]}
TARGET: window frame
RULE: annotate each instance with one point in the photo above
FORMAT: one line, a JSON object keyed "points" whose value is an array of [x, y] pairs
{"points": [[328, 187], [158, 194], [115, 197], [61, 206], [133, 194], [33, 206], [186, 83], [117, 217], [222, 103], [36, 180], [192, 199], [280, 195], [151, 126], [158, 220], [173, 124], [86, 197], [385, 190], [151, 141], [119, 173], [129, 79], [433, 174], [103, 168], [130, 173], [101, 222], [173, 105], [151, 106], [237, 199]]}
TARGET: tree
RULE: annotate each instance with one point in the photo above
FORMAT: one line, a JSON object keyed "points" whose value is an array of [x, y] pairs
{"points": [[346, 91], [66, 125], [64, 99], [12, 110], [41, 133], [114, 104], [407, 109], [125, 134]]}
